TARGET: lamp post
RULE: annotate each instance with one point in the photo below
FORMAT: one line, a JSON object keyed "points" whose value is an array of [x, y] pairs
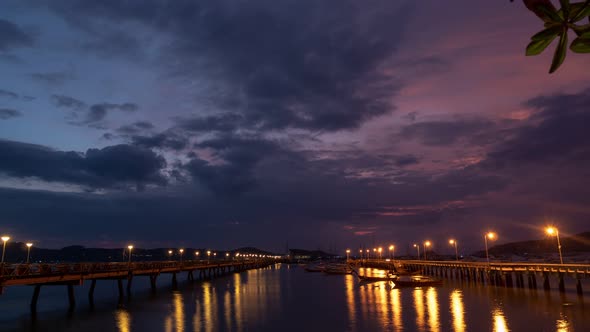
{"points": [[380, 250], [361, 254], [426, 245], [208, 255], [29, 245], [197, 254], [170, 254], [417, 246], [227, 255], [391, 251], [552, 230], [491, 236], [130, 247], [4, 239], [181, 252], [454, 243], [347, 254], [368, 254]]}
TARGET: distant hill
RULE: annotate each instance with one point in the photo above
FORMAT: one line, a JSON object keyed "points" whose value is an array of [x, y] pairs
{"points": [[309, 254], [579, 243]]}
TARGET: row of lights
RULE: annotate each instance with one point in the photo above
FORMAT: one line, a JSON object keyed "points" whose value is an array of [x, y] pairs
{"points": [[5, 239], [129, 248], [550, 230]]}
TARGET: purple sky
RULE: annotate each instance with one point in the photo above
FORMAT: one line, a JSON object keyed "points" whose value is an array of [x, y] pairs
{"points": [[327, 124]]}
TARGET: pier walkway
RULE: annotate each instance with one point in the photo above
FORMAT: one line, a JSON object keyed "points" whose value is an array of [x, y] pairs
{"points": [[73, 274], [512, 274]]}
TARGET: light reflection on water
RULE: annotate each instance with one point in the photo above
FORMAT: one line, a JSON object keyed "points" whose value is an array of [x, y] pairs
{"points": [[433, 318], [458, 311], [500, 324], [419, 306], [285, 299], [123, 320], [563, 324]]}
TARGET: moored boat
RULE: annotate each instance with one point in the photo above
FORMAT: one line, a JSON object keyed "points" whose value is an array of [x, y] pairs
{"points": [[416, 281]]}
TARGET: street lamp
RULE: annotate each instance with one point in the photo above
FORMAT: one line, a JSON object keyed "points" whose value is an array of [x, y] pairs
{"points": [[226, 255], [29, 245], [552, 230], [454, 243], [197, 254], [130, 247], [4, 239], [417, 246], [347, 254], [491, 236], [361, 254], [392, 251], [170, 254], [379, 251], [426, 245], [368, 254], [181, 251], [208, 255]]}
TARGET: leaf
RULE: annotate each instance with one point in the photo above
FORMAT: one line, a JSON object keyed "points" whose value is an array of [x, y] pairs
{"points": [[537, 46], [549, 13], [565, 6], [581, 45], [575, 8], [560, 52], [582, 12], [581, 29], [550, 32]]}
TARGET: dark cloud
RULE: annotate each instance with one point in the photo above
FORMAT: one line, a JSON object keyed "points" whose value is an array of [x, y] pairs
{"points": [[11, 35], [406, 160], [8, 113], [135, 128], [68, 102], [53, 78], [233, 173], [224, 123], [557, 132], [98, 112], [113, 43], [8, 94], [112, 166], [445, 132], [299, 64], [166, 140]]}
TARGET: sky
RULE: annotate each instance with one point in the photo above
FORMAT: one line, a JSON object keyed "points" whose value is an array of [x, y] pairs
{"points": [[318, 124]]}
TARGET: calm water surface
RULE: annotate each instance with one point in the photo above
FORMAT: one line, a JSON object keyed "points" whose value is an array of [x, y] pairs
{"points": [[286, 298]]}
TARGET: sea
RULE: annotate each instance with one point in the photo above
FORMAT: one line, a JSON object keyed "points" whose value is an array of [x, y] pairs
{"points": [[285, 297]]}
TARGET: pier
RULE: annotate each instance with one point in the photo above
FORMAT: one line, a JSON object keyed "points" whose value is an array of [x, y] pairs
{"points": [[75, 274], [510, 275]]}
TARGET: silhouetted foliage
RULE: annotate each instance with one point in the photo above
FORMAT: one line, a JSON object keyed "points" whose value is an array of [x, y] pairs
{"points": [[557, 23]]}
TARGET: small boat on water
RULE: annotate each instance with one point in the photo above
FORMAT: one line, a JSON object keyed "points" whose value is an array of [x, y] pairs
{"points": [[404, 280], [314, 267], [416, 281], [338, 269], [386, 277]]}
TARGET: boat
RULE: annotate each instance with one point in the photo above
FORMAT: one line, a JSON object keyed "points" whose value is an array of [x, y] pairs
{"points": [[416, 281], [314, 267], [386, 277], [338, 269]]}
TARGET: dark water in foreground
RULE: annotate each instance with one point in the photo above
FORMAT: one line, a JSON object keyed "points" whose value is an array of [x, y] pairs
{"points": [[287, 298]]}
